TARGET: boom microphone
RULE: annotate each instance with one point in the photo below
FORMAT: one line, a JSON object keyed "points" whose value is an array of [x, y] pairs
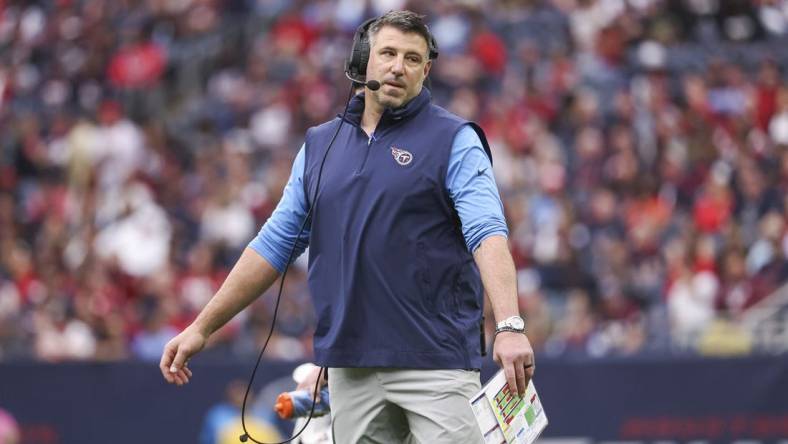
{"points": [[373, 85]]}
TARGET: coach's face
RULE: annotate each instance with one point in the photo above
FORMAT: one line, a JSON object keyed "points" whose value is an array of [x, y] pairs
{"points": [[400, 62]]}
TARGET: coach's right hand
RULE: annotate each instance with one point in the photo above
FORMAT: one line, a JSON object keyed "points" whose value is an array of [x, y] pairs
{"points": [[175, 358]]}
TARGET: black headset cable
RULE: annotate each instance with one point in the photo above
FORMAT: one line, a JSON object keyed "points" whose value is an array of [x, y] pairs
{"points": [[246, 436]]}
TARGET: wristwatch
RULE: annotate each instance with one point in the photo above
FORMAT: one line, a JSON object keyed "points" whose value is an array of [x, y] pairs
{"points": [[514, 324]]}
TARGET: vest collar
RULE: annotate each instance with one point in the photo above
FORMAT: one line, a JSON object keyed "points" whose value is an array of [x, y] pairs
{"points": [[390, 115]]}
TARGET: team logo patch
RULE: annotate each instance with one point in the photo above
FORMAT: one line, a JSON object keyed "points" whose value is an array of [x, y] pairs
{"points": [[402, 157]]}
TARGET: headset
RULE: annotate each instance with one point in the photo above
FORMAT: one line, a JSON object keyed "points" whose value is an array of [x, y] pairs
{"points": [[356, 71]]}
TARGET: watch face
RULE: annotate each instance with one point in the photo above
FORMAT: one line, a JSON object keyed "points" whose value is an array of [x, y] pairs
{"points": [[517, 323]]}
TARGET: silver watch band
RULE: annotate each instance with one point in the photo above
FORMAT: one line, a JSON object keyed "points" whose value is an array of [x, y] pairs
{"points": [[509, 329]]}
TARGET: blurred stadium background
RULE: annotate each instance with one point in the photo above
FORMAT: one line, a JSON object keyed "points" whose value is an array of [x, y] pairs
{"points": [[641, 148]]}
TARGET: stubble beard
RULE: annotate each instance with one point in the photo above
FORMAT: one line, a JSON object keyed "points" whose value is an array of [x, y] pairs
{"points": [[389, 101]]}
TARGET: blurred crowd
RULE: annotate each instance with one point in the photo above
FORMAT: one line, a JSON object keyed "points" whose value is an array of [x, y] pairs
{"points": [[639, 146]]}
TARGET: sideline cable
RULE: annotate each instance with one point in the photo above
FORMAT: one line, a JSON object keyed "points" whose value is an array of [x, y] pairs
{"points": [[246, 436]]}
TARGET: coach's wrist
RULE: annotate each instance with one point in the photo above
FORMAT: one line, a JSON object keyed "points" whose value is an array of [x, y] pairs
{"points": [[506, 330], [514, 324], [203, 330]]}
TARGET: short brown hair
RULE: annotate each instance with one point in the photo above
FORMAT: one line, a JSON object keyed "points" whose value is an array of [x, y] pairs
{"points": [[406, 22]]}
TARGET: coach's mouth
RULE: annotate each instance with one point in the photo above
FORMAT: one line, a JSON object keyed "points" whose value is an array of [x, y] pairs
{"points": [[394, 84]]}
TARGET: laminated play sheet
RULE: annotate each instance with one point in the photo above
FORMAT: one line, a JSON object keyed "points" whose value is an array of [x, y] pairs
{"points": [[506, 418]]}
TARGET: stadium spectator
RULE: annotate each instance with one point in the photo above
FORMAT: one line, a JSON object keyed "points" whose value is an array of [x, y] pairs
{"points": [[222, 423]]}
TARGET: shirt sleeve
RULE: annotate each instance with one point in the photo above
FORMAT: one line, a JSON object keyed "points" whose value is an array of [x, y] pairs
{"points": [[472, 188], [276, 237]]}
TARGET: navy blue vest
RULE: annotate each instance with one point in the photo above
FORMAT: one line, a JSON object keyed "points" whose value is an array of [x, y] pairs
{"points": [[392, 280]]}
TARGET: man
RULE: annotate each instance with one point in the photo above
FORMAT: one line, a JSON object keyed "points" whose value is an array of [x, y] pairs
{"points": [[395, 277]]}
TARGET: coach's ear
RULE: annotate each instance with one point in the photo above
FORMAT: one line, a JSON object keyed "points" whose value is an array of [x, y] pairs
{"points": [[427, 67]]}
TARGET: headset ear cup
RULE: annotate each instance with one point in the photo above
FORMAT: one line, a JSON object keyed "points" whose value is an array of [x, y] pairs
{"points": [[359, 54], [433, 47], [363, 57], [354, 62]]}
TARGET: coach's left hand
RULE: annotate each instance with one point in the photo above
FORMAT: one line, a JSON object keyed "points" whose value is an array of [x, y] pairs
{"points": [[513, 352]]}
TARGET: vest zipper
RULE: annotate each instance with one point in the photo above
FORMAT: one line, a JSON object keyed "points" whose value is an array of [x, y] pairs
{"points": [[366, 153]]}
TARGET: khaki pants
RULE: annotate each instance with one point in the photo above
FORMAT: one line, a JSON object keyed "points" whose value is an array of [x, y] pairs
{"points": [[389, 406]]}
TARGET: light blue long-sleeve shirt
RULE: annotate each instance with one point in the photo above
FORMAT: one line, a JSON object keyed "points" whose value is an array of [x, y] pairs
{"points": [[469, 181]]}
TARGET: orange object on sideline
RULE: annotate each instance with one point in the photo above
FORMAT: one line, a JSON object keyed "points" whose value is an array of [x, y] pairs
{"points": [[284, 406]]}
